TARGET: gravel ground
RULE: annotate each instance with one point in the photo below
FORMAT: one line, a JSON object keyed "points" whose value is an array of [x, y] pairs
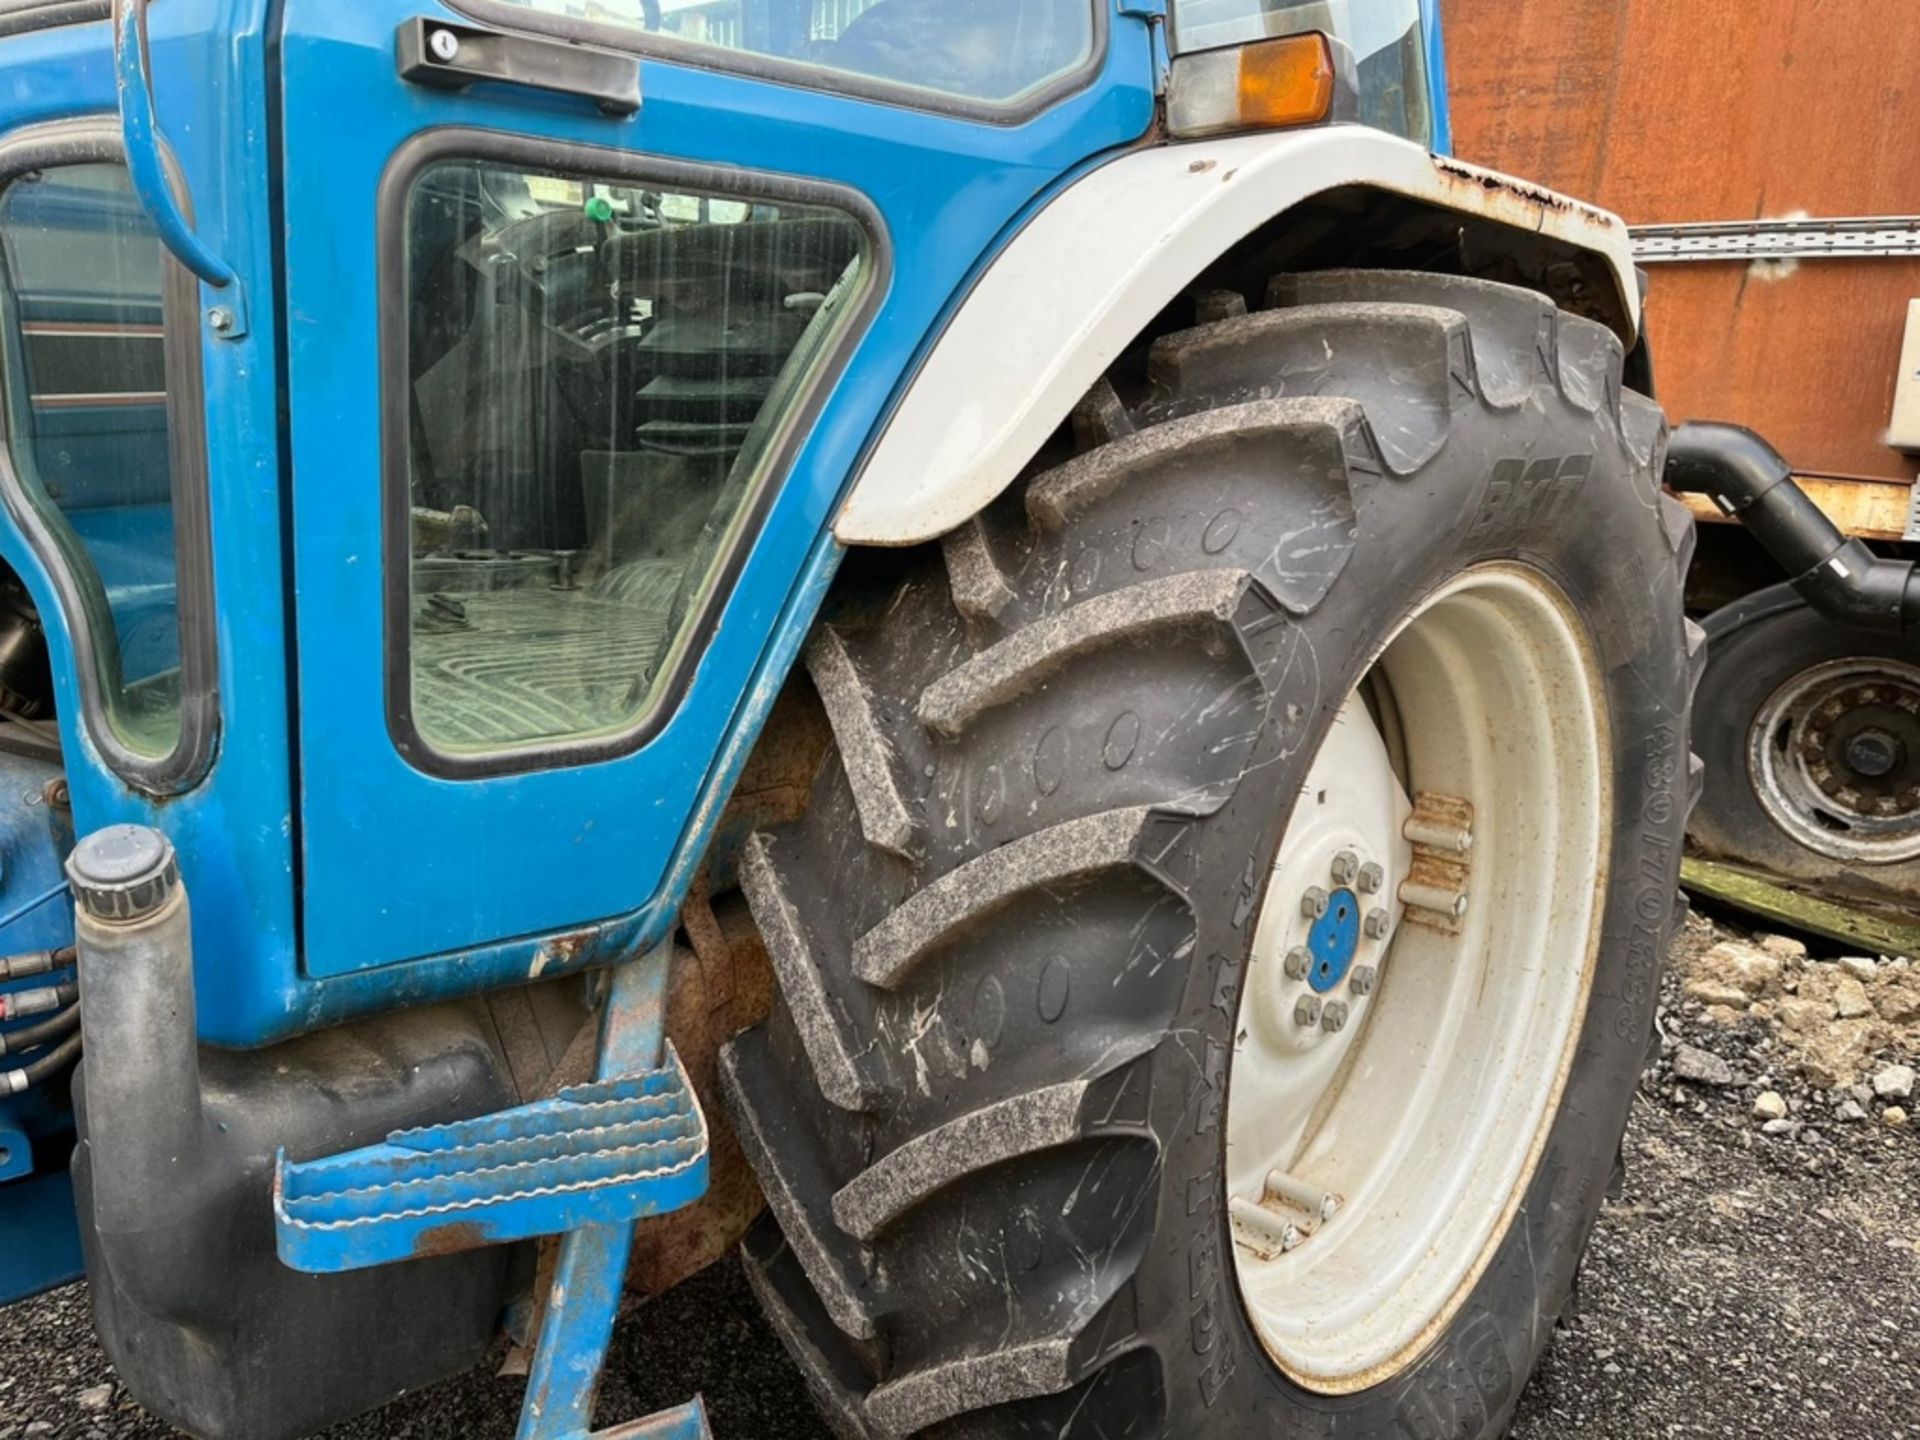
{"points": [[1743, 1284]]}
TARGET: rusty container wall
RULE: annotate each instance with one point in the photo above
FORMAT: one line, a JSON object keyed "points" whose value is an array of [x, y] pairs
{"points": [[1689, 110]]}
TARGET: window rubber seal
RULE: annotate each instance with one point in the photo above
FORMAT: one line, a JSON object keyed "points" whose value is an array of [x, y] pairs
{"points": [[97, 141], [753, 65], [588, 163], [17, 17]]}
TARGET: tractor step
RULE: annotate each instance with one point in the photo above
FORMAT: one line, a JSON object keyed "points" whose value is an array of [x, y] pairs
{"points": [[606, 1153]]}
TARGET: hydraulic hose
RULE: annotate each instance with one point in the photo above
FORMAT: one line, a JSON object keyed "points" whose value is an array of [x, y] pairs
{"points": [[28, 1037], [1750, 482], [12, 1082]]}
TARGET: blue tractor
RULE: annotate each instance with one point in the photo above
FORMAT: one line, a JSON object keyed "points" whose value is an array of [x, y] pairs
{"points": [[1031, 628]]}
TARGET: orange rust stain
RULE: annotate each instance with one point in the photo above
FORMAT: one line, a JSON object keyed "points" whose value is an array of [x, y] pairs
{"points": [[451, 1239]]}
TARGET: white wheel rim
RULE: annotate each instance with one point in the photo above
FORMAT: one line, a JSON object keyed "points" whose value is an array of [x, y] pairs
{"points": [[1423, 1117]]}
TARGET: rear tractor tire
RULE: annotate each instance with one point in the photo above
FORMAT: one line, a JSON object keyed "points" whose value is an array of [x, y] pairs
{"points": [[1198, 1012]]}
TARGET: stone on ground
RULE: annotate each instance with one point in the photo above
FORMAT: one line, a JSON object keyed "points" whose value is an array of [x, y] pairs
{"points": [[1895, 1082], [1860, 967], [1702, 1067]]}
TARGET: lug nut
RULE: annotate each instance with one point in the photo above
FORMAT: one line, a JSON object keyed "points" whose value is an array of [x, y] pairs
{"points": [[1334, 1018], [1363, 978], [1313, 904], [1377, 924], [1296, 963], [1345, 866], [1306, 1011], [1372, 877]]}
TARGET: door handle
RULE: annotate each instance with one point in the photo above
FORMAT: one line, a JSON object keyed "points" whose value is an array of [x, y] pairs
{"points": [[452, 57]]}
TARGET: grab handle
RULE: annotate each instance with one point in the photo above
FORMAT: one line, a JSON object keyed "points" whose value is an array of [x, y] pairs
{"points": [[146, 158]]}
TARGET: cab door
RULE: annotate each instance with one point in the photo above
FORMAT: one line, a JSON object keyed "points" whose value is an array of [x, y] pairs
{"points": [[590, 306]]}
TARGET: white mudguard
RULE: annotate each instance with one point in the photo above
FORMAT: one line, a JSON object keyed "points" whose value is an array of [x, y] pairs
{"points": [[1091, 270]]}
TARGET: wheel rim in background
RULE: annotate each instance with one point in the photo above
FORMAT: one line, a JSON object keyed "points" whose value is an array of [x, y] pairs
{"points": [[1834, 757]]}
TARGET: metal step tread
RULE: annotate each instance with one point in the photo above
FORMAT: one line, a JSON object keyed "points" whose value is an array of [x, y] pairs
{"points": [[598, 1154]]}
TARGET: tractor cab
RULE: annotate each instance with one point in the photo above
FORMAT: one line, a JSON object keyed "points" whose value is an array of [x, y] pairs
{"points": [[421, 428]]}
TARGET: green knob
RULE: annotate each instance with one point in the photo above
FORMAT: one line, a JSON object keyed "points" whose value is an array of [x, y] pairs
{"points": [[599, 209]]}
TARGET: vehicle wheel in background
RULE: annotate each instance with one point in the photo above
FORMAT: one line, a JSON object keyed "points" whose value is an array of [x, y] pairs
{"points": [[1810, 731]]}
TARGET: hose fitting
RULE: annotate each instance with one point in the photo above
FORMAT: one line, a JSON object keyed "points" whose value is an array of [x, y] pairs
{"points": [[13, 1082], [1750, 482], [37, 1001], [34, 962]]}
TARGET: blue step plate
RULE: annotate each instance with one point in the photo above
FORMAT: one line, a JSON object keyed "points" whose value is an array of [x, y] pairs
{"points": [[599, 1154]]}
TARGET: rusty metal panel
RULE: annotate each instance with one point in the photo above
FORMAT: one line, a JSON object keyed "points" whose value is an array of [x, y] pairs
{"points": [[1725, 110]]}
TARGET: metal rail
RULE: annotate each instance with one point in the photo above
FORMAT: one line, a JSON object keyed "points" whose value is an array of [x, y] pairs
{"points": [[1860, 237]]}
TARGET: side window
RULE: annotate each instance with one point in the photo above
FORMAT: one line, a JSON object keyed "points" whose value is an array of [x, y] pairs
{"points": [[597, 378], [88, 432], [983, 50], [1388, 48]]}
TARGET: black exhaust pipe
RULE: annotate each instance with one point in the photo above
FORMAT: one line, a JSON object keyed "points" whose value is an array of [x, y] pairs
{"points": [[1751, 483]]}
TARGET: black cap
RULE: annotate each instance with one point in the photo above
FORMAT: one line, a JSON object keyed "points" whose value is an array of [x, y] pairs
{"points": [[123, 872]]}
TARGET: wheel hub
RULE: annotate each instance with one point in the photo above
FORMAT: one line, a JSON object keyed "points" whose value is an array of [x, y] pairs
{"points": [[1873, 753], [1332, 941], [1317, 961]]}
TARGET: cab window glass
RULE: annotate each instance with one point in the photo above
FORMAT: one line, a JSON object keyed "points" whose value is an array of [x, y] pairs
{"points": [[87, 425], [1388, 48], [597, 375], [988, 50]]}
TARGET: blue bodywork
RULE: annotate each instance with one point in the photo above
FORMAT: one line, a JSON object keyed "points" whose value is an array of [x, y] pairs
{"points": [[331, 878]]}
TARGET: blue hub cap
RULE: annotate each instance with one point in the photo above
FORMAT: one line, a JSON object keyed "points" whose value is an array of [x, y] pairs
{"points": [[1332, 941]]}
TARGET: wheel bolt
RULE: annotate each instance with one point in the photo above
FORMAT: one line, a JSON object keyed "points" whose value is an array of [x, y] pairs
{"points": [[1437, 898], [1345, 866], [1377, 924], [1372, 877], [1306, 1011], [1296, 963], [1313, 904], [1334, 1019], [1363, 978]]}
